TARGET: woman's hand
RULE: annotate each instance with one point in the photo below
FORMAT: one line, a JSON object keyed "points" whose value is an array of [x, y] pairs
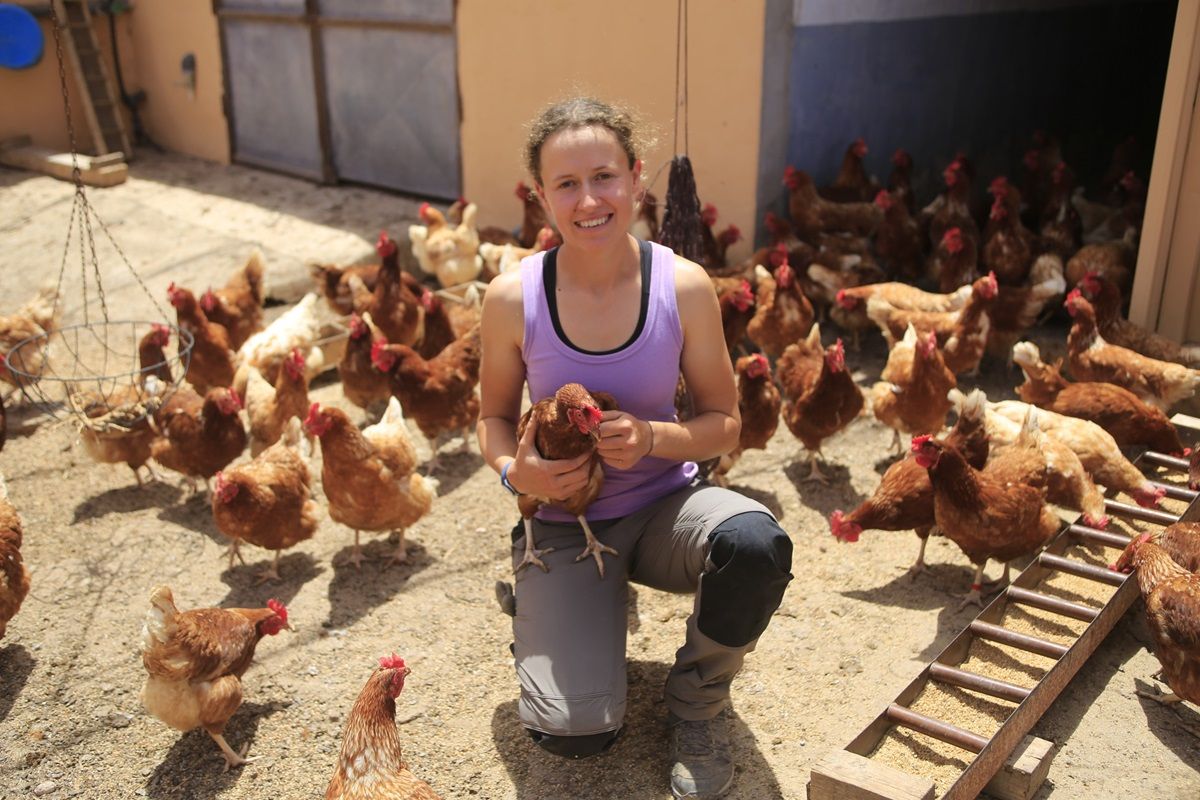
{"points": [[624, 439], [553, 479]]}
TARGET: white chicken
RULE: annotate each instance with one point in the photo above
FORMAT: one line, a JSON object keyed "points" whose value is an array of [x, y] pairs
{"points": [[448, 252], [309, 326]]}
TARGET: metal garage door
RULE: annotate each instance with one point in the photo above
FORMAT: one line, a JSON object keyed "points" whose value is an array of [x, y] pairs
{"points": [[345, 90]]}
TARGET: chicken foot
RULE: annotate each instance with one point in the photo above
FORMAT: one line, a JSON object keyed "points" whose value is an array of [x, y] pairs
{"points": [[271, 573], [234, 551], [594, 547], [975, 596], [356, 556], [897, 445], [815, 473], [1159, 696], [401, 554], [232, 759], [532, 554], [919, 565]]}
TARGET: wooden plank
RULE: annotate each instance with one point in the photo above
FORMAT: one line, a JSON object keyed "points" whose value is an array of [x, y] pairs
{"points": [[977, 683], [1056, 604], [1024, 771], [58, 165], [68, 43], [845, 776]]}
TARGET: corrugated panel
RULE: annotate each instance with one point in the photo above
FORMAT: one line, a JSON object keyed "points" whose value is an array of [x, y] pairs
{"points": [[393, 108], [274, 100], [265, 6], [426, 11]]}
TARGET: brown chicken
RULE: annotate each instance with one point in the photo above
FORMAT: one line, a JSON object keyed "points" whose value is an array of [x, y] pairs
{"points": [[898, 241], [438, 393], [911, 398], [900, 180], [334, 283], [1061, 228], [237, 307], [1106, 300], [820, 397], [371, 763], [119, 430], [813, 215], [1194, 470], [362, 383], [267, 501], [211, 362], [758, 403], [1091, 358], [1113, 261], [1017, 308], [438, 329], [951, 209], [962, 334], [782, 313], [904, 498], [1008, 246], [370, 477], [41, 315], [270, 407], [534, 216], [195, 660], [566, 425], [737, 310], [394, 305], [955, 261], [199, 439], [1182, 543], [985, 517], [852, 184], [1115, 409], [1172, 598], [14, 578]]}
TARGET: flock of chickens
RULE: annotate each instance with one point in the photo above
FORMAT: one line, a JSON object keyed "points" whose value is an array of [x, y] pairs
{"points": [[849, 254]]}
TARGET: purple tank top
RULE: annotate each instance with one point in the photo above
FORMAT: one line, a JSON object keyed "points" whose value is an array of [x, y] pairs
{"points": [[642, 375]]}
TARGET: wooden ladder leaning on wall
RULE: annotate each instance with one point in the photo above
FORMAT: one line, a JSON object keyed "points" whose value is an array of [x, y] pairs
{"points": [[103, 116]]}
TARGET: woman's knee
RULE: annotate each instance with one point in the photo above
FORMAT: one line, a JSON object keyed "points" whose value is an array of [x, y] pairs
{"points": [[750, 566]]}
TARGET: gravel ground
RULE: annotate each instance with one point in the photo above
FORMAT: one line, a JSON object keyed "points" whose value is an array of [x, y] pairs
{"points": [[851, 632]]}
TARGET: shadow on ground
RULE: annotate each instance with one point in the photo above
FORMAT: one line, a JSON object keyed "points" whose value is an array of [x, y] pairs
{"points": [[16, 664]]}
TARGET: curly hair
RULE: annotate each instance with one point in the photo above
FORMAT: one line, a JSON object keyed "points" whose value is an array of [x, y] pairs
{"points": [[582, 112]]}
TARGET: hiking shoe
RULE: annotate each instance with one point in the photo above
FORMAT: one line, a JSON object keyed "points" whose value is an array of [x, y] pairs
{"points": [[703, 762]]}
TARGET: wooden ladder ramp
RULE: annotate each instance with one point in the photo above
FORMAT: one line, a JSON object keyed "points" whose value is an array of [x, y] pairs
{"points": [[1010, 764], [98, 98]]}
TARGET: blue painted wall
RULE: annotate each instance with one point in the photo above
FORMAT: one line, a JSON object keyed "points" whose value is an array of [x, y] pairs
{"points": [[1091, 74]]}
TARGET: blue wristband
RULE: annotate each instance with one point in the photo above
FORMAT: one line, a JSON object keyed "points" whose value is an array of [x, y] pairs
{"points": [[504, 480]]}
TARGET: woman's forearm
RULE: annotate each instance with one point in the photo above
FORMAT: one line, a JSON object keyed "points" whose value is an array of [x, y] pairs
{"points": [[497, 440], [707, 435]]}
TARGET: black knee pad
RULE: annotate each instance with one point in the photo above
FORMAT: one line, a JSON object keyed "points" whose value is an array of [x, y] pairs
{"points": [[575, 746], [751, 566]]}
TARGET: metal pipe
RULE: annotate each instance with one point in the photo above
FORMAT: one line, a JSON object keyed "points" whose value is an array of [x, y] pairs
{"points": [[943, 731], [1093, 536], [995, 633], [1045, 602], [1164, 460], [1089, 571], [979, 683], [1176, 492], [1137, 512]]}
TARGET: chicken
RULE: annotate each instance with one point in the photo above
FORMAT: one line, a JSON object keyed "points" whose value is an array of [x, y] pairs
{"points": [[211, 362], [371, 763], [955, 260], [951, 209], [362, 383], [40, 315], [1097, 451], [758, 403], [1194, 470], [813, 215], [1060, 226], [267, 501], [307, 327], [334, 283], [3, 418], [985, 517], [534, 216], [268, 408], [395, 303], [449, 253], [782, 314], [852, 184], [911, 398], [195, 660], [438, 331], [1040, 460], [1017, 308], [200, 440], [438, 393], [566, 425], [819, 396], [1130, 421], [14, 578], [1113, 261], [118, 428], [370, 478], [900, 180], [237, 307], [737, 310], [898, 240], [904, 497], [501, 258], [1182, 542], [1091, 358], [962, 333], [1171, 595], [1008, 246], [1106, 300], [715, 245]]}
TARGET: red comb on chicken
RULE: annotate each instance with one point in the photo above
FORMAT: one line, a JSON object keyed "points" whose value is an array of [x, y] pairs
{"points": [[708, 214]]}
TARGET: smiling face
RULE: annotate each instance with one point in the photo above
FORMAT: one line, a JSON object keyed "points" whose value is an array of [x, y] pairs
{"points": [[589, 187]]}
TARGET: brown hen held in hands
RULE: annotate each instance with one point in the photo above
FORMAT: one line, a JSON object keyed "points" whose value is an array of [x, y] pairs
{"points": [[567, 425]]}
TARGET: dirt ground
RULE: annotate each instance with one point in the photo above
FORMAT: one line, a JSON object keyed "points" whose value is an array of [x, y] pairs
{"points": [[851, 632]]}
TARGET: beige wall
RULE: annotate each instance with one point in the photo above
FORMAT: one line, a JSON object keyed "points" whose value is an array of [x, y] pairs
{"points": [[152, 40], [518, 55], [163, 31]]}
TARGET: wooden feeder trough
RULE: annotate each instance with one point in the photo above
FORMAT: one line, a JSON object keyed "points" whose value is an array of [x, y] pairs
{"points": [[1041, 630]]}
